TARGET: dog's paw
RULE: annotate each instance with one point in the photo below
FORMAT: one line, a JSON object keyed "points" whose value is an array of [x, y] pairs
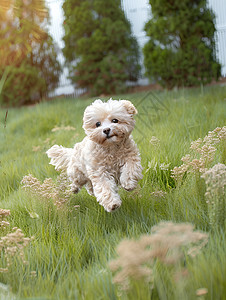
{"points": [[74, 188], [128, 183], [112, 207], [129, 186], [75, 191]]}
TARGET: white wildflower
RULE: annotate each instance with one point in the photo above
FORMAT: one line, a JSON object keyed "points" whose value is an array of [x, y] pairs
{"points": [[64, 128], [152, 165], [155, 141], [215, 179], [164, 166], [158, 194]]}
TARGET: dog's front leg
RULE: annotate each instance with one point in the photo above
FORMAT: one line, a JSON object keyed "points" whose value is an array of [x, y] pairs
{"points": [[105, 191], [130, 174]]}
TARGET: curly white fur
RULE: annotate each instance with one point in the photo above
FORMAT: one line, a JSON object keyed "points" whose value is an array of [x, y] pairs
{"points": [[107, 156]]}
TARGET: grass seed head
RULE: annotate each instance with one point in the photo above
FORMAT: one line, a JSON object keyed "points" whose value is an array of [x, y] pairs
{"points": [[201, 292], [4, 213], [215, 179], [13, 245], [203, 154], [167, 243], [154, 141], [59, 192], [159, 194]]}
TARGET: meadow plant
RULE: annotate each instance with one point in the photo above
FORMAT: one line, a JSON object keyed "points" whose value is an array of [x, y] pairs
{"points": [[4, 213], [203, 154], [152, 165], [13, 245], [167, 244], [48, 142], [159, 194], [215, 179], [201, 292], [36, 148], [154, 141], [155, 165], [59, 192], [164, 167], [44, 145], [64, 128]]}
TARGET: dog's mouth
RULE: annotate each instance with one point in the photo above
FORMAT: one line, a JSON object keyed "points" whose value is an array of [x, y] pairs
{"points": [[110, 136], [116, 135]]}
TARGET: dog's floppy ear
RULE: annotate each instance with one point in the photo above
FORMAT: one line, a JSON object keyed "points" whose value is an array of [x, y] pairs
{"points": [[129, 107]]}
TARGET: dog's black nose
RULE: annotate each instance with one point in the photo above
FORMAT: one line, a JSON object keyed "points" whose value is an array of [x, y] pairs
{"points": [[106, 131]]}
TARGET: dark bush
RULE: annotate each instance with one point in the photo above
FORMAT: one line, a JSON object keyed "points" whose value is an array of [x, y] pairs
{"points": [[181, 46], [99, 47]]}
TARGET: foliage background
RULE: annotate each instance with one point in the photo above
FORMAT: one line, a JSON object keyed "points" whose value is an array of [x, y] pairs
{"points": [[181, 47], [100, 50]]}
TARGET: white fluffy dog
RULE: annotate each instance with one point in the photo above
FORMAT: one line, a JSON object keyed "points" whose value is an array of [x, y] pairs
{"points": [[107, 156]]}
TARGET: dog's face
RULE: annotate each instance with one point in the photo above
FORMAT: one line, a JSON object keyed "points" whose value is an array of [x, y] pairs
{"points": [[109, 122]]}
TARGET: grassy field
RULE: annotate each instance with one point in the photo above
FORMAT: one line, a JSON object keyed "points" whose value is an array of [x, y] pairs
{"points": [[69, 255]]}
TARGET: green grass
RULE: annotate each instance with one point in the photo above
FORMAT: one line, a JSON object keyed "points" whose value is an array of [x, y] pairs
{"points": [[72, 247]]}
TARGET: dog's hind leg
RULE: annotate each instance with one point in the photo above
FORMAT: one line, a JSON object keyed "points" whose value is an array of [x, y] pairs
{"points": [[77, 178], [89, 188]]}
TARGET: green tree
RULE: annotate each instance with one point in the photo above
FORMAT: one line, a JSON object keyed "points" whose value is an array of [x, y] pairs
{"points": [[181, 46], [28, 50], [99, 47]]}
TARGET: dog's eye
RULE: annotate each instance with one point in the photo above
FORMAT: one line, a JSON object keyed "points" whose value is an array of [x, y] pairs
{"points": [[98, 124], [114, 121]]}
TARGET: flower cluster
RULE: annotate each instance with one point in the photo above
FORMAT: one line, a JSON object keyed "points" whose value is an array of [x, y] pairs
{"points": [[133, 256], [13, 245], [215, 179], [47, 143], [164, 166], [44, 145], [159, 194], [154, 165], [154, 141], [64, 189], [167, 243], [202, 156], [60, 192], [3, 214], [65, 128]]}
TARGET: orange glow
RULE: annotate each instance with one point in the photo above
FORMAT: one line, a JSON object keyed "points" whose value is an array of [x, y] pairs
{"points": [[22, 24]]}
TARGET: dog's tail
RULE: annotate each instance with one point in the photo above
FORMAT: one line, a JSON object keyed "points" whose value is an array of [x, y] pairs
{"points": [[60, 157]]}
